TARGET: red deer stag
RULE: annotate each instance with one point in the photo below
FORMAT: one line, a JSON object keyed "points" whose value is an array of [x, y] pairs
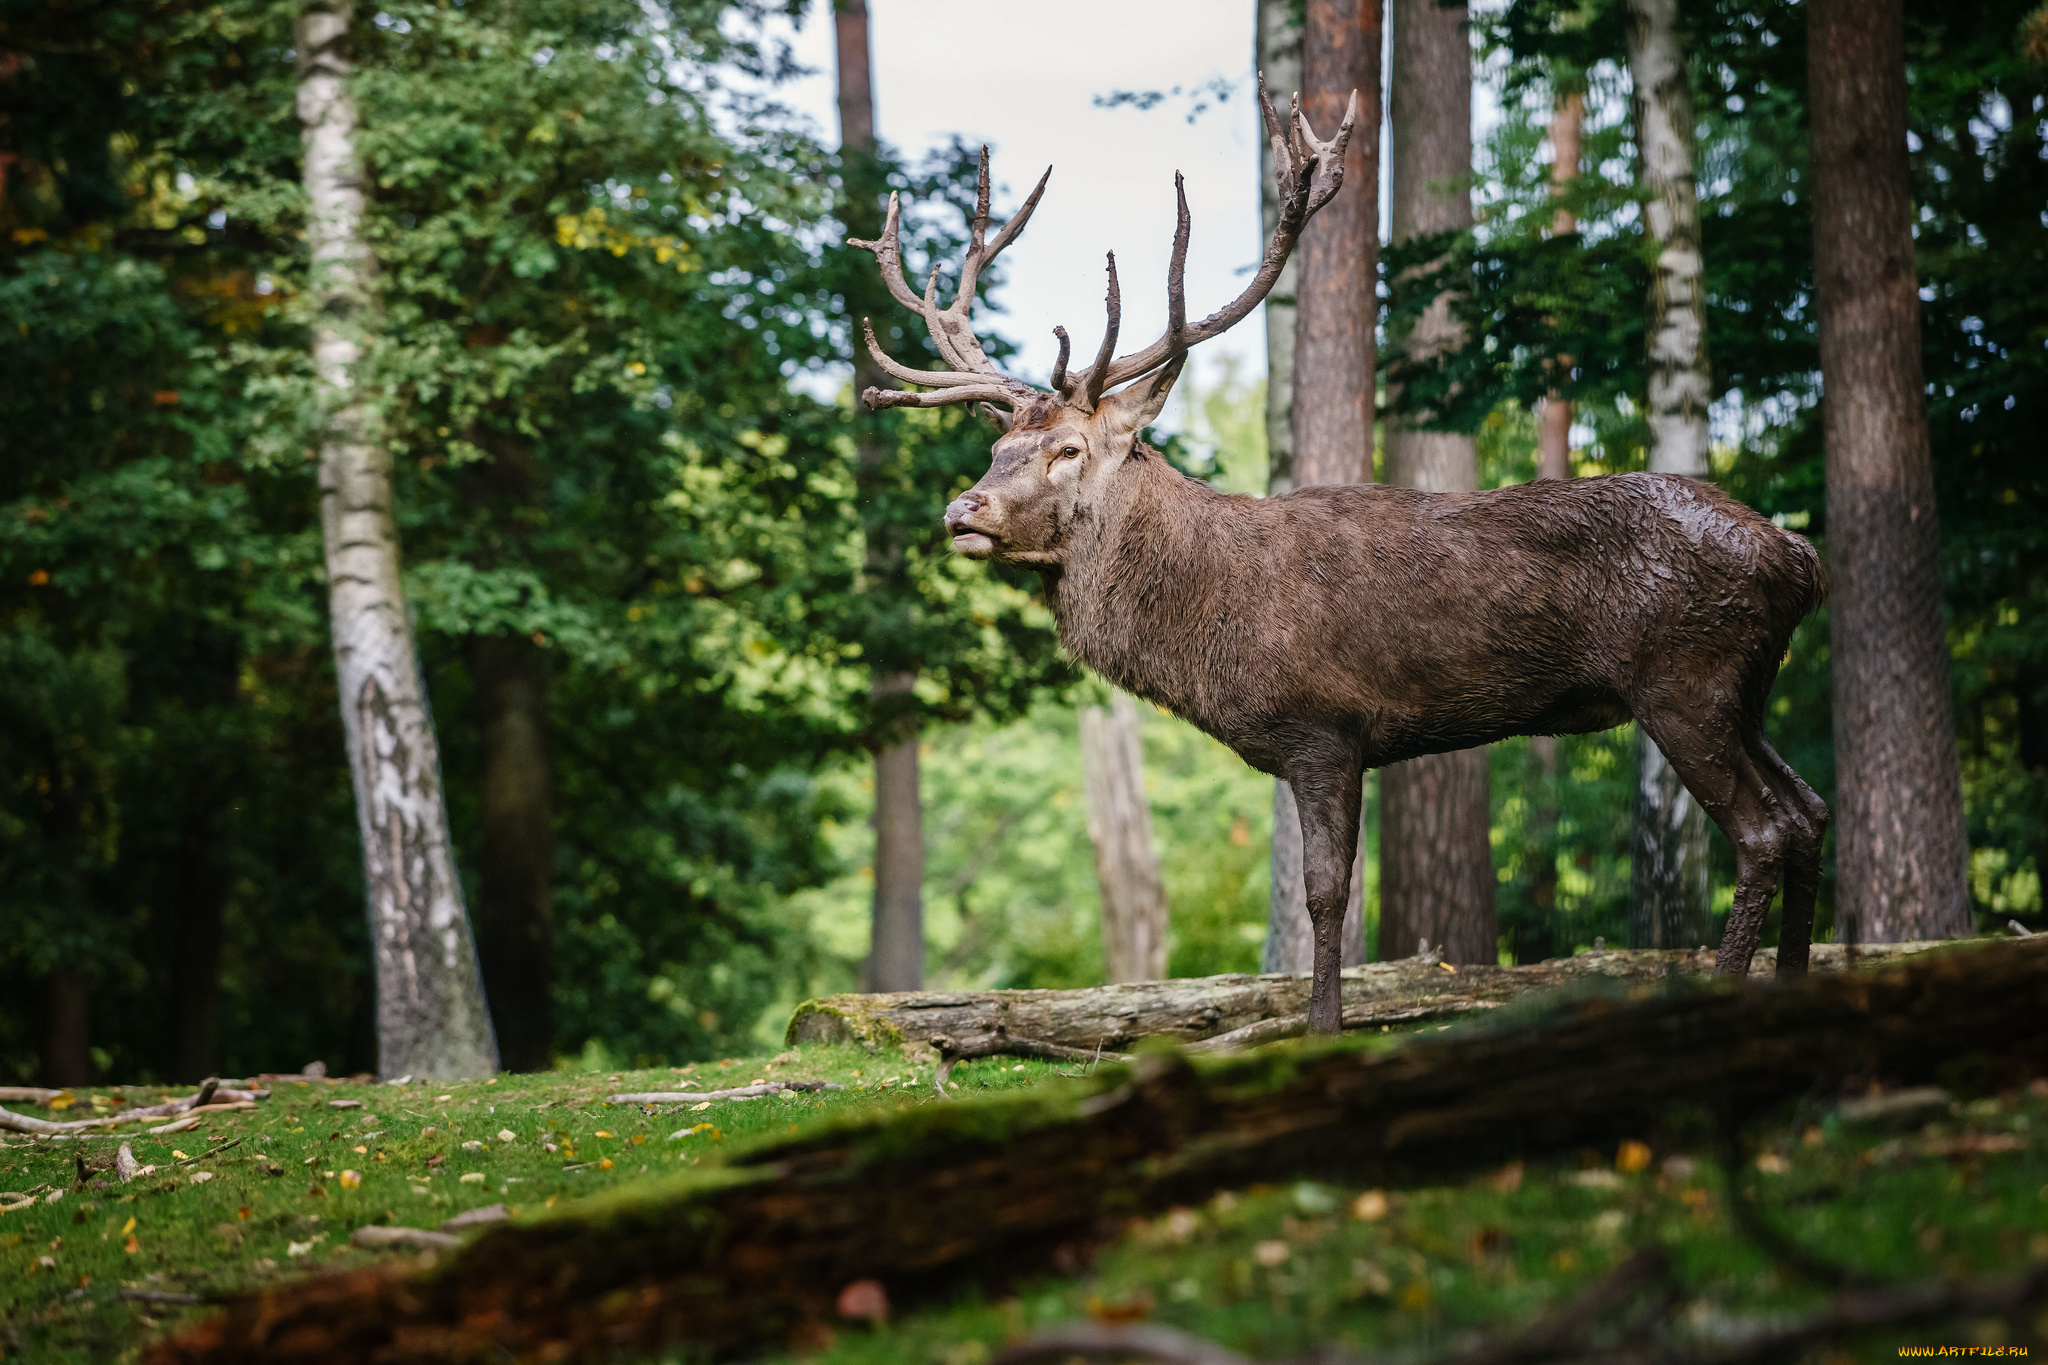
{"points": [[1336, 629]]}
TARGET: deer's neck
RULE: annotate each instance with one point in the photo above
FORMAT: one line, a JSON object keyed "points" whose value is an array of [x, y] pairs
{"points": [[1139, 577]]}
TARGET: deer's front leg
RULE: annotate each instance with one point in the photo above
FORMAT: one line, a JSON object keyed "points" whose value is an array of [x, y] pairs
{"points": [[1328, 800]]}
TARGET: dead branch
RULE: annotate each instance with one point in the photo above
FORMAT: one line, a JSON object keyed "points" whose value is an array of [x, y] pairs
{"points": [[741, 1092], [28, 1094], [1355, 1017]]}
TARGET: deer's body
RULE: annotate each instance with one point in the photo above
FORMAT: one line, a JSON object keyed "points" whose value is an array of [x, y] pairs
{"points": [[1403, 623], [1337, 629]]}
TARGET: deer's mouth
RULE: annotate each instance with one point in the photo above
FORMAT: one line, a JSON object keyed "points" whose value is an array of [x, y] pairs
{"points": [[970, 540]]}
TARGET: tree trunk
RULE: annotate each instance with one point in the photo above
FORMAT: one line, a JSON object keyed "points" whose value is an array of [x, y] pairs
{"points": [[1567, 128], [896, 952], [1670, 894], [431, 1017], [1120, 826], [1279, 61], [1337, 265], [195, 965], [515, 919], [1900, 853], [931, 1206], [67, 1030], [1436, 861]]}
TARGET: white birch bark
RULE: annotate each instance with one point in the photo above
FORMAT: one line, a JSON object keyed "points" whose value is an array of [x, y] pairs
{"points": [[431, 1019], [1134, 917], [1669, 901]]}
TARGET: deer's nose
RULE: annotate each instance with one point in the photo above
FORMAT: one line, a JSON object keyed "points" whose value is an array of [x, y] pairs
{"points": [[966, 505]]}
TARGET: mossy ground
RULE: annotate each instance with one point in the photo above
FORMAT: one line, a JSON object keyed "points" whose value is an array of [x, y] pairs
{"points": [[1270, 1271]]}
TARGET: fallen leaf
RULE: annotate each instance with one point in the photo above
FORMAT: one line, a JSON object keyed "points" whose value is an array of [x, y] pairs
{"points": [[131, 1246], [604, 1163], [602, 1133], [472, 1178], [1270, 1253], [201, 1177], [1770, 1163], [344, 1104], [507, 1135], [243, 1212], [1370, 1207], [180, 1155], [351, 1180], [67, 1099], [364, 1151], [1632, 1156], [1508, 1178], [1448, 967], [128, 1227], [695, 1107], [1121, 1312]]}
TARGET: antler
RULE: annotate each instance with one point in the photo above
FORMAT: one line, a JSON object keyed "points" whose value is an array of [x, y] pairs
{"points": [[1309, 173], [974, 377]]}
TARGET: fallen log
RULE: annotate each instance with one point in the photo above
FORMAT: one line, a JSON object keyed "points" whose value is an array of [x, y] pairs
{"points": [[929, 1199], [1111, 1018]]}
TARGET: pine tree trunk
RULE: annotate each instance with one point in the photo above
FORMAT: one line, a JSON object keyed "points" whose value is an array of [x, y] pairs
{"points": [[515, 919], [1337, 265], [896, 952], [431, 1017], [1669, 902], [1900, 853], [1436, 861], [1134, 918], [1554, 420]]}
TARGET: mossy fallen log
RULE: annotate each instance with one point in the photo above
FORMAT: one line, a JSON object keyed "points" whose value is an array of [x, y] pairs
{"points": [[1111, 1018], [735, 1258]]}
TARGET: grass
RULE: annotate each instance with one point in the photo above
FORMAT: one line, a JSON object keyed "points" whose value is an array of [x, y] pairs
{"points": [[1267, 1271]]}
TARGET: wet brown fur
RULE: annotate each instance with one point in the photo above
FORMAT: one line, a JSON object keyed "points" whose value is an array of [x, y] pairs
{"points": [[1337, 629]]}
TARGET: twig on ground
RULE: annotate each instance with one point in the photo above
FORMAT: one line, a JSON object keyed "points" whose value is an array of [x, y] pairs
{"points": [[203, 1155], [1355, 1016], [161, 1296], [743, 1092], [127, 1167], [999, 1043], [27, 1094], [209, 1091], [423, 1239]]}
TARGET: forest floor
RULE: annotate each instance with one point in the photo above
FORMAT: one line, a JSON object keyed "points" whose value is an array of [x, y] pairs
{"points": [[94, 1271]]}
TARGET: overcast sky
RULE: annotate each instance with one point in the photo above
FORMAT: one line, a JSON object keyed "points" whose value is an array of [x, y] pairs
{"points": [[1022, 77]]}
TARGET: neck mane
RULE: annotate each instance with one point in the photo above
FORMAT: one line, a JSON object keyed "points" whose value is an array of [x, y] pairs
{"points": [[1137, 573]]}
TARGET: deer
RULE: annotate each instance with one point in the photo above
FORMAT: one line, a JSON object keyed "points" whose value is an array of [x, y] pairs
{"points": [[1333, 630]]}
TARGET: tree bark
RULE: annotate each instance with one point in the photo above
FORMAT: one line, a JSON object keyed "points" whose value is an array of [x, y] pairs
{"points": [[1115, 1017], [1337, 264], [1436, 861], [929, 1204], [431, 1017], [1279, 61], [1134, 918], [1900, 854], [896, 953], [67, 1030], [516, 865], [195, 966], [1670, 902], [1554, 422]]}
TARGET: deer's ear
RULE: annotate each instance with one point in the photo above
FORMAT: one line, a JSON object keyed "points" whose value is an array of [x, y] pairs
{"points": [[1130, 410], [997, 416]]}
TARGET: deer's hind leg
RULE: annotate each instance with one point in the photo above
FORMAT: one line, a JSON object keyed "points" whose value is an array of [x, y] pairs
{"points": [[1809, 821], [1712, 755]]}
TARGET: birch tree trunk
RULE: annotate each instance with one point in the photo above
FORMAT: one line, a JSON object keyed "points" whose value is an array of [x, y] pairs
{"points": [[1336, 307], [431, 1018], [1554, 422], [1669, 901], [1134, 918], [1900, 854], [896, 939], [1279, 61], [1436, 860]]}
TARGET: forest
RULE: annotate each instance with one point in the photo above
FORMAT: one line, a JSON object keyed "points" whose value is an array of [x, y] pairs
{"points": [[722, 722]]}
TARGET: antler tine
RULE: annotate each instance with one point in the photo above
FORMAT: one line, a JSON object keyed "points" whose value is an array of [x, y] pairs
{"points": [[1059, 368], [936, 379], [1097, 377], [980, 254], [942, 335], [1177, 271], [987, 392], [980, 228], [888, 252], [1309, 174]]}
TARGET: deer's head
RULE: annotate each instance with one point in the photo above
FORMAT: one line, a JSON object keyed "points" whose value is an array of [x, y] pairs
{"points": [[1060, 448]]}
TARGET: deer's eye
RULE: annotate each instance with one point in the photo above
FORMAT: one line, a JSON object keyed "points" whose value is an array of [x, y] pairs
{"points": [[1069, 452]]}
